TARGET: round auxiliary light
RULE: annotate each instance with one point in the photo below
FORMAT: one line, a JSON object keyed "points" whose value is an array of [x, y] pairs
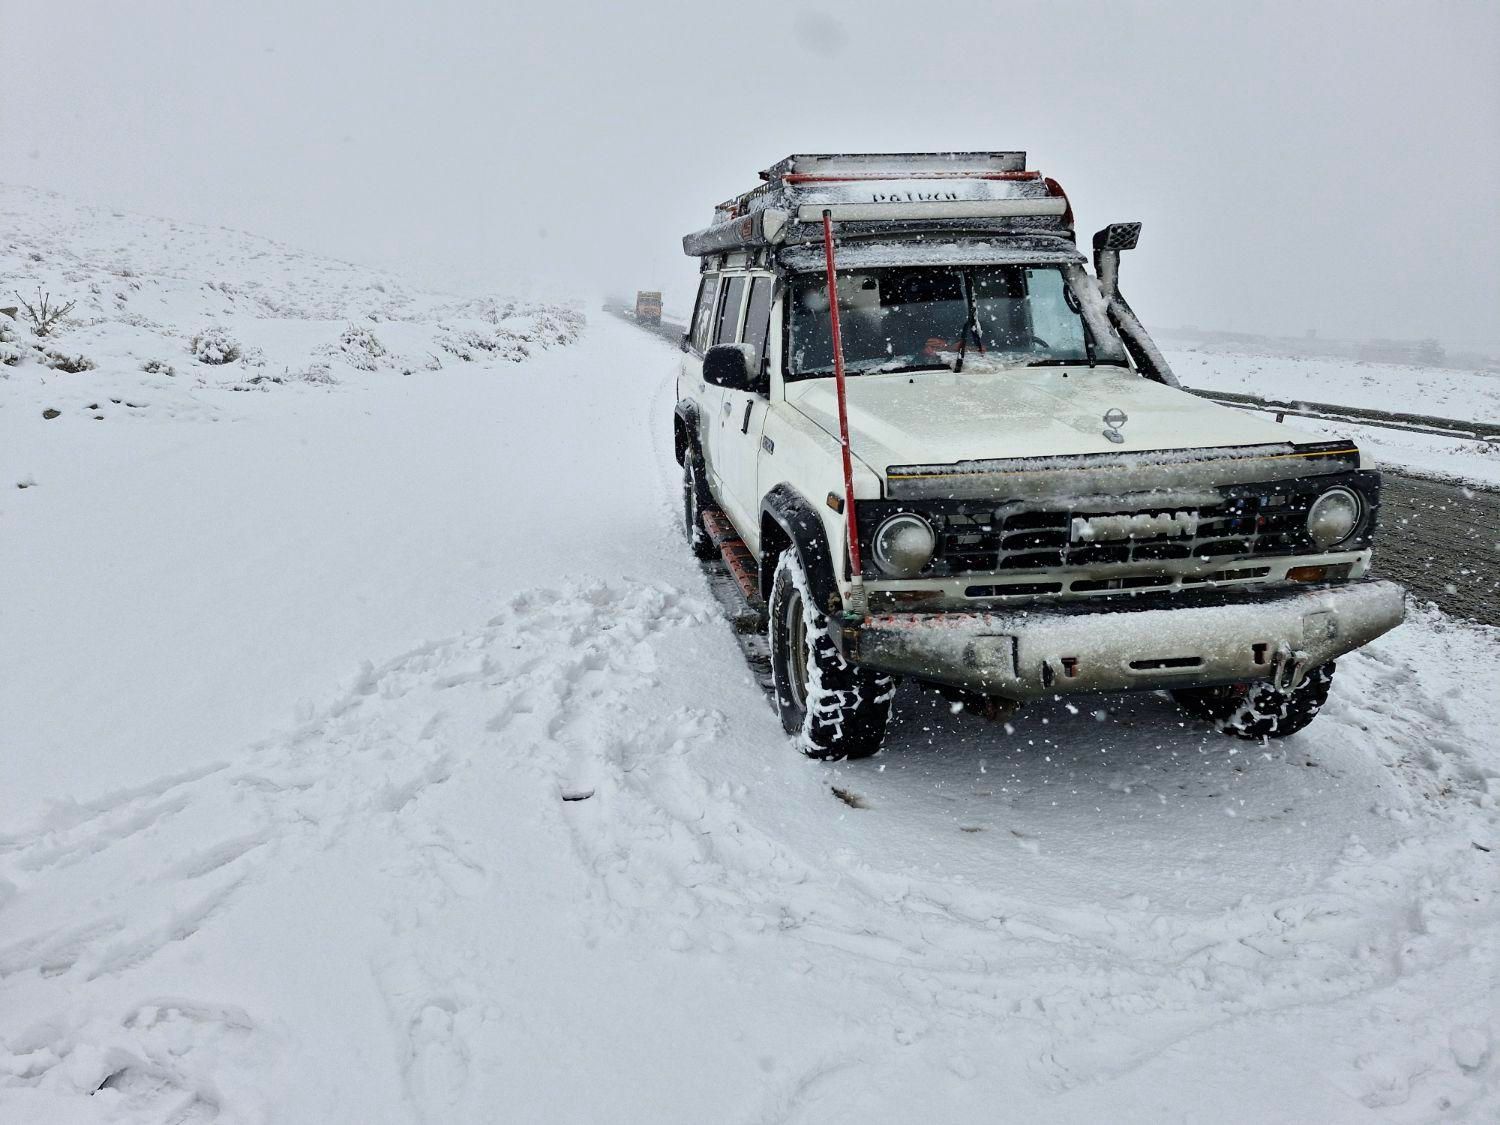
{"points": [[904, 544], [1333, 517]]}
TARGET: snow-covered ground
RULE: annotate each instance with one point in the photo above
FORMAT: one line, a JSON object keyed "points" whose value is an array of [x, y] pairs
{"points": [[1471, 396], [295, 685], [1441, 391]]}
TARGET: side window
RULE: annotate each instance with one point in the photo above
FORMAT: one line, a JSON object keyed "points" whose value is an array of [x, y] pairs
{"points": [[758, 321], [703, 312], [729, 311]]}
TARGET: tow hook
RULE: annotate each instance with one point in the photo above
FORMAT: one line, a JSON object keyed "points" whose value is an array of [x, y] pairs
{"points": [[1288, 668]]}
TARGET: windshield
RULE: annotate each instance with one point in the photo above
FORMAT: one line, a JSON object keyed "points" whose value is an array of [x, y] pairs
{"points": [[905, 319]]}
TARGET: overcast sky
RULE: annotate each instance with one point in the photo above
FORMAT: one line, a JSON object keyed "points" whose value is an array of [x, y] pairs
{"points": [[1302, 165]]}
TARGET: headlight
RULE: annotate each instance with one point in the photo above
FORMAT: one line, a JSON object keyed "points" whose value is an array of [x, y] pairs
{"points": [[904, 544], [1333, 517]]}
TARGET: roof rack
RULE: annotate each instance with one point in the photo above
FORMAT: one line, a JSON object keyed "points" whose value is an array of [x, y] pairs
{"points": [[895, 164], [904, 194]]}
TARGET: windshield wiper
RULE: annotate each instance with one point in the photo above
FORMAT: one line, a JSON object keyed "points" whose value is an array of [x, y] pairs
{"points": [[971, 322], [874, 370], [881, 369], [911, 367]]}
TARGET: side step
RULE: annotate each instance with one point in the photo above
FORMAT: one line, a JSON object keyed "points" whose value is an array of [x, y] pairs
{"points": [[737, 556], [735, 587]]}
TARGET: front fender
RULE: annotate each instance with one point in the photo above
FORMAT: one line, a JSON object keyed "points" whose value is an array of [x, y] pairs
{"points": [[790, 511]]}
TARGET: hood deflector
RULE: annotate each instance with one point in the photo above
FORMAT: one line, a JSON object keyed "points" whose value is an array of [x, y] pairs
{"points": [[1091, 474]]}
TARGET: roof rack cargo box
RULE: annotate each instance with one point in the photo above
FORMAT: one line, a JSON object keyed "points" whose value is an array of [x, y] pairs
{"points": [[888, 195]]}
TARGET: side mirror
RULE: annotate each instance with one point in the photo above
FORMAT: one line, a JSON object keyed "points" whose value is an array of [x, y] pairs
{"points": [[1107, 246], [728, 366]]}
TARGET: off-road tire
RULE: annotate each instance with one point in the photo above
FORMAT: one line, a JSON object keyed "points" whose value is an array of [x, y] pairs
{"points": [[832, 709], [1257, 710], [695, 501]]}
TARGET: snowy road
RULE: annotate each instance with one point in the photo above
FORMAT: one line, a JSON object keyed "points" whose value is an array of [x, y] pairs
{"points": [[1442, 541], [271, 900]]}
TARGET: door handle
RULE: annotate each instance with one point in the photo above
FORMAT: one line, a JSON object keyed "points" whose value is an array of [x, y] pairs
{"points": [[745, 425]]}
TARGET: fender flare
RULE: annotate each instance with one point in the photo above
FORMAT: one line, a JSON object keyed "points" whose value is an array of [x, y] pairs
{"points": [[791, 512], [685, 426]]}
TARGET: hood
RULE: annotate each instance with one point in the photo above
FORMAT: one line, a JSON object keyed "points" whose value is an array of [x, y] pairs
{"points": [[939, 417]]}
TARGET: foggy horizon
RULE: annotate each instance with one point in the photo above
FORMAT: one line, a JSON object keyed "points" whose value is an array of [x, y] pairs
{"points": [[1328, 167]]}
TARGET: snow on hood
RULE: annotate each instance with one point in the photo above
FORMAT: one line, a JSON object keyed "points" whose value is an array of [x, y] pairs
{"points": [[941, 417]]}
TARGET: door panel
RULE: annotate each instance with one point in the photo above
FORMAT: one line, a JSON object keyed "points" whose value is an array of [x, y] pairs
{"points": [[690, 382], [690, 371], [740, 425], [717, 401]]}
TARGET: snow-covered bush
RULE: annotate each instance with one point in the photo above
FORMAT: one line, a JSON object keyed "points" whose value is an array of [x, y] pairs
{"points": [[358, 347], [470, 344], [214, 346], [558, 326], [11, 350], [488, 309], [431, 363], [316, 374], [158, 367], [45, 316], [72, 364]]}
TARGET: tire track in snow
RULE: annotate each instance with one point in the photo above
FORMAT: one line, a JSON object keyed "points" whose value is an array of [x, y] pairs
{"points": [[146, 870]]}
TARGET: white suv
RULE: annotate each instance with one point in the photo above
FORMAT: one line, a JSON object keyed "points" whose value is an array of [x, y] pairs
{"points": [[1039, 508]]}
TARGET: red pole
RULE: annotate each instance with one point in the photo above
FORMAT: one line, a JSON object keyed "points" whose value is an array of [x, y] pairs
{"points": [[857, 578]]}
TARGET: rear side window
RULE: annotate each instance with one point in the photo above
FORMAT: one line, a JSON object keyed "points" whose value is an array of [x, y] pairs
{"points": [[704, 311], [729, 311], [758, 321]]}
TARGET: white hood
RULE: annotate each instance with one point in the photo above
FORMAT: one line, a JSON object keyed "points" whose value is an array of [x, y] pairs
{"points": [[939, 417]]}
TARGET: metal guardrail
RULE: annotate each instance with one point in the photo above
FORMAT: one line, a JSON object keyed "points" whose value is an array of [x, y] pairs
{"points": [[1354, 415]]}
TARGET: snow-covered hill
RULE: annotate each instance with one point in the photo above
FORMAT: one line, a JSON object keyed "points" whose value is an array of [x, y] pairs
{"points": [[165, 314], [295, 687]]}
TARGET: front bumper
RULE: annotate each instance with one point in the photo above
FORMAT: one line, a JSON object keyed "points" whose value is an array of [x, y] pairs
{"points": [[1026, 653]]}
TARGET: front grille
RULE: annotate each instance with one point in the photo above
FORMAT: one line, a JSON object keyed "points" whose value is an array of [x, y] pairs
{"points": [[1246, 522], [1242, 528]]}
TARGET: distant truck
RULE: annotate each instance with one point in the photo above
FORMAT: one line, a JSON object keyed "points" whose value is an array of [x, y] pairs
{"points": [[929, 442], [648, 307]]}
